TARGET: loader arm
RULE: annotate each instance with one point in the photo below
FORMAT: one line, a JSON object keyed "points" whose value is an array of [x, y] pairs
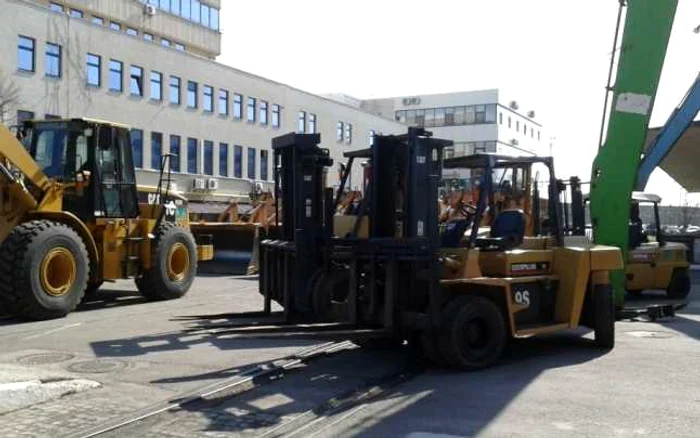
{"points": [[15, 199], [647, 30]]}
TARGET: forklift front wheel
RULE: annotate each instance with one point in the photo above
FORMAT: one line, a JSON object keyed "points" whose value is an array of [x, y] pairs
{"points": [[604, 316], [473, 333], [679, 286]]}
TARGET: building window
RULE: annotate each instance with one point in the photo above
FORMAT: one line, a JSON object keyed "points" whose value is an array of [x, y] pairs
{"points": [[115, 26], [192, 159], [237, 106], [99, 21], [524, 129], [372, 134], [180, 47], [165, 42], [208, 98], [517, 126], [208, 157], [115, 75], [301, 122], [214, 19], [94, 66], [52, 117], [480, 114], [191, 94], [538, 135], [53, 60], [470, 115], [429, 120], [238, 161], [312, 123], [136, 81], [348, 133], [137, 147], [25, 54], [263, 164], [195, 11], [500, 118], [76, 13], [131, 31], [459, 116], [339, 129], [275, 116], [251, 163], [263, 112], [205, 15], [148, 37], [156, 150], [164, 5], [175, 153], [449, 116], [223, 159], [490, 116], [509, 122], [223, 102], [23, 116], [156, 85], [186, 9], [251, 109], [174, 90], [55, 7], [419, 118], [440, 117]]}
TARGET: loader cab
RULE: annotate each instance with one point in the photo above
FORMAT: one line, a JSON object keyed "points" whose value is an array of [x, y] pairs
{"points": [[95, 154]]}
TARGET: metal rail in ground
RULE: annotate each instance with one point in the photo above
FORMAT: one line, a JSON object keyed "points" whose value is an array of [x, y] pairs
{"points": [[238, 384]]}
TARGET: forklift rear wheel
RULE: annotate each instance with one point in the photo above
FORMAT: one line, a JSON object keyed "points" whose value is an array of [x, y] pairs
{"points": [[679, 286], [44, 267], [473, 333], [174, 265], [604, 316]]}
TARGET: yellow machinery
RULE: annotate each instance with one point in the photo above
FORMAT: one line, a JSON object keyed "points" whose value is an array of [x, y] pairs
{"points": [[653, 263], [70, 219]]}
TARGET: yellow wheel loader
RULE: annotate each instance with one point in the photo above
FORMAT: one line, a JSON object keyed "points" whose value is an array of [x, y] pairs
{"points": [[70, 219]]}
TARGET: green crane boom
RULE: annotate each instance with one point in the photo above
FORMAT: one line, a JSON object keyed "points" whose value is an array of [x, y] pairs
{"points": [[647, 30]]}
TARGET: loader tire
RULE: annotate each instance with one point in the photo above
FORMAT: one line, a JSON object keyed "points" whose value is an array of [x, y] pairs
{"points": [[603, 316], [44, 269], [473, 333], [679, 286], [173, 264]]}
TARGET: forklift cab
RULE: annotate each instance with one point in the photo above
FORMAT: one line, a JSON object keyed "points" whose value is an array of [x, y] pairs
{"points": [[493, 201], [94, 160]]}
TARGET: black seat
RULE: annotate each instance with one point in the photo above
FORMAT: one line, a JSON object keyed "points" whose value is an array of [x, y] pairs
{"points": [[454, 231], [507, 231]]}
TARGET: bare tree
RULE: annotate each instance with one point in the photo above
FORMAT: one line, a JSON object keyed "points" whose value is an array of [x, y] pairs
{"points": [[9, 98], [688, 213]]}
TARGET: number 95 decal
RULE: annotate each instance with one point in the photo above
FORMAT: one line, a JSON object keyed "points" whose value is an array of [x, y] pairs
{"points": [[522, 298]]}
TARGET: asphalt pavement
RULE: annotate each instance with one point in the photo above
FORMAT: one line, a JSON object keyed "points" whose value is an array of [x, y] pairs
{"points": [[141, 353]]}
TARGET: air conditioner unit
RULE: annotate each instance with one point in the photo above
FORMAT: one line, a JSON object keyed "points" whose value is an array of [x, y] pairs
{"points": [[514, 142], [514, 105], [531, 114], [199, 184], [150, 10], [213, 184]]}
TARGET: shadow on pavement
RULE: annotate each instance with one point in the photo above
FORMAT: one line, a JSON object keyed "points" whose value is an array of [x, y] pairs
{"points": [[108, 298]]}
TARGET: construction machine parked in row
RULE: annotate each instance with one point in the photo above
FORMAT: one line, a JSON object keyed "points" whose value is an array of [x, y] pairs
{"points": [[70, 219]]}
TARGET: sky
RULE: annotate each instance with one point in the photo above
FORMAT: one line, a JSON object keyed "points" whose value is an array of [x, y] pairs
{"points": [[549, 55]]}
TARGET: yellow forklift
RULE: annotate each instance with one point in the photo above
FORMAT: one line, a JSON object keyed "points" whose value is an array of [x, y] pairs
{"points": [[70, 219], [390, 272]]}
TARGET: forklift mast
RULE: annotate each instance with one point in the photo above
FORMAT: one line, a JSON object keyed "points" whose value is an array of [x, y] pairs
{"points": [[647, 30]]}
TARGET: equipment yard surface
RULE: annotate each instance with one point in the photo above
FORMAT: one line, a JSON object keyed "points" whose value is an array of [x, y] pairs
{"points": [[144, 354]]}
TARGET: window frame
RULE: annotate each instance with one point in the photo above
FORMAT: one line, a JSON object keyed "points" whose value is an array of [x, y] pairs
{"points": [[207, 98], [264, 164], [223, 102], [276, 113], [121, 76], [98, 66], [174, 149], [116, 26], [158, 87], [192, 158], [301, 122], [237, 161], [179, 90], [251, 108], [252, 155], [263, 112], [97, 21], [58, 58], [139, 81], [155, 165], [223, 159], [195, 94], [31, 50], [237, 106], [137, 149], [311, 123], [208, 157]]}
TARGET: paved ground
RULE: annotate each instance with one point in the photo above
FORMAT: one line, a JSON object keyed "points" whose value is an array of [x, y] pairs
{"points": [[559, 386]]}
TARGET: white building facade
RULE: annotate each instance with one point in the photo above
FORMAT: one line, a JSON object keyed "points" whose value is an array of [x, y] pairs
{"points": [[150, 65], [477, 121]]}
